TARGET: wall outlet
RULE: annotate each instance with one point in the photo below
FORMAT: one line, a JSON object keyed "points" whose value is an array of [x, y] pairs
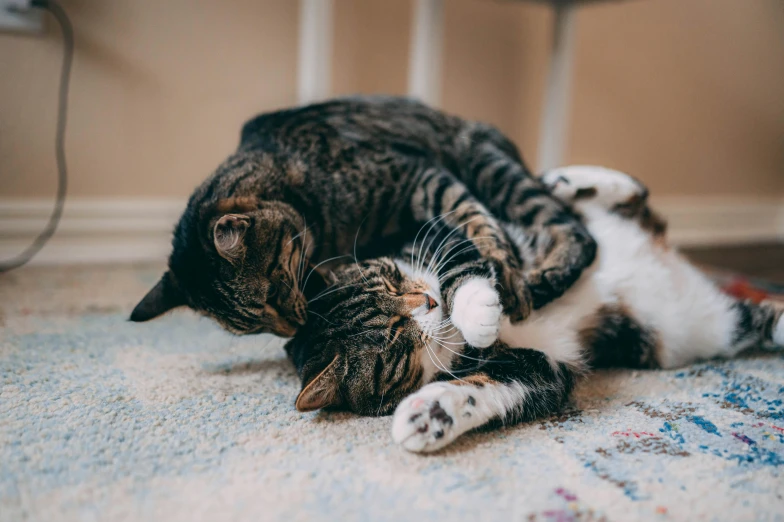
{"points": [[18, 16]]}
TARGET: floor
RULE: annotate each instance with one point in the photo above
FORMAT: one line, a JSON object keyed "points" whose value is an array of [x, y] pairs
{"points": [[103, 419]]}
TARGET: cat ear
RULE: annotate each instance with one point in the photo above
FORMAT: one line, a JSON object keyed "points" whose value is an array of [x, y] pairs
{"points": [[163, 297], [229, 235], [321, 391]]}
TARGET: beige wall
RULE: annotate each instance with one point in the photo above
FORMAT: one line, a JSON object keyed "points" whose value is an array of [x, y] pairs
{"points": [[686, 95], [689, 95], [158, 95]]}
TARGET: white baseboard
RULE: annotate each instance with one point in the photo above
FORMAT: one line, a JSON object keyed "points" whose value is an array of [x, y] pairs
{"points": [[91, 230], [702, 221], [135, 230]]}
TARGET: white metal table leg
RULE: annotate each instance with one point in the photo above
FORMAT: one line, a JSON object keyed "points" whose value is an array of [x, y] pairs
{"points": [[424, 63], [314, 67], [555, 116]]}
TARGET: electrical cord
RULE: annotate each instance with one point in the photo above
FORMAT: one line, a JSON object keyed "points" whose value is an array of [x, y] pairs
{"points": [[62, 117]]}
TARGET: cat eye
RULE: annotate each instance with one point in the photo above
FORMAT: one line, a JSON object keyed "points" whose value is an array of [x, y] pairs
{"points": [[272, 290]]}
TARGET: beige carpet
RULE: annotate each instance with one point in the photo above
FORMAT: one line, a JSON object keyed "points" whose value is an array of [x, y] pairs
{"points": [[102, 419]]}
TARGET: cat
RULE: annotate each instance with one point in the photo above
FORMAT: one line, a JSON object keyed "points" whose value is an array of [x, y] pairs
{"points": [[384, 343], [356, 178]]}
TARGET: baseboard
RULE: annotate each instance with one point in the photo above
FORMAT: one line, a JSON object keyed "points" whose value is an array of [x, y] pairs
{"points": [[703, 221], [92, 230], [136, 230]]}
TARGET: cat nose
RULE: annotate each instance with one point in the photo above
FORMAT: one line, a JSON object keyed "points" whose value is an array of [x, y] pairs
{"points": [[430, 303]]}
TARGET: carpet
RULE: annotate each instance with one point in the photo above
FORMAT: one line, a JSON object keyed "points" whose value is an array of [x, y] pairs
{"points": [[102, 419]]}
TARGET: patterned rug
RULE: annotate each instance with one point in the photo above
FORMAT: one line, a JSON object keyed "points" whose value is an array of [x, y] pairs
{"points": [[102, 419]]}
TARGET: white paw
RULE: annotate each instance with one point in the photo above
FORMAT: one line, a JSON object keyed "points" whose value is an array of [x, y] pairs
{"points": [[476, 312], [604, 186], [432, 418]]}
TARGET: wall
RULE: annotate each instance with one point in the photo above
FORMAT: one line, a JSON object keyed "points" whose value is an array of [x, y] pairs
{"points": [[159, 91], [686, 95]]}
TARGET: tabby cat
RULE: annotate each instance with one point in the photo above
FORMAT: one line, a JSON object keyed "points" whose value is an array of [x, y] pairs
{"points": [[382, 333], [355, 178]]}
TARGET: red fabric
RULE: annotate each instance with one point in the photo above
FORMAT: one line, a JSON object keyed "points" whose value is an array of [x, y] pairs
{"points": [[741, 289]]}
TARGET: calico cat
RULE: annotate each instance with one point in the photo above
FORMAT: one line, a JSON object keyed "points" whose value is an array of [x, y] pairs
{"points": [[383, 340], [356, 178]]}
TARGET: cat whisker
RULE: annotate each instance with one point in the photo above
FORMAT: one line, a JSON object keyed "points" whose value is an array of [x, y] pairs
{"points": [[442, 340], [440, 263], [455, 244], [300, 268], [443, 261], [285, 283], [365, 332], [308, 241], [442, 366], [432, 221], [430, 354], [454, 230], [296, 236], [458, 353], [441, 328], [381, 405], [327, 320], [458, 269], [422, 250], [318, 265], [356, 260], [331, 290]]}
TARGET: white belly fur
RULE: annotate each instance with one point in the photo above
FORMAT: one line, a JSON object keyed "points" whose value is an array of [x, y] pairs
{"points": [[661, 290]]}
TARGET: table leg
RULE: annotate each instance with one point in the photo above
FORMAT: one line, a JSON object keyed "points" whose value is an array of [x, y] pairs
{"points": [[555, 116], [424, 64], [314, 67]]}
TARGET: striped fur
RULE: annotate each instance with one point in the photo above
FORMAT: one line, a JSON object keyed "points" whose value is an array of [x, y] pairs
{"points": [[641, 305], [358, 178]]}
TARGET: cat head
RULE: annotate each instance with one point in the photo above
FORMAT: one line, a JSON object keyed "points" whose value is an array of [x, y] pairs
{"points": [[240, 261], [371, 339]]}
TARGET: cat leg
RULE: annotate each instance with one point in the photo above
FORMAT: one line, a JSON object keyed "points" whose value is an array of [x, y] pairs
{"points": [[589, 187], [467, 250], [726, 327], [602, 186], [495, 173], [757, 323], [514, 385]]}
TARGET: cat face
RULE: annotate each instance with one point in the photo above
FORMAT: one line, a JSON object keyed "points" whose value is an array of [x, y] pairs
{"points": [[371, 339], [245, 271]]}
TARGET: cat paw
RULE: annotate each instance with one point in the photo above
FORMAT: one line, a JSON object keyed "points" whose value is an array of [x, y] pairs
{"points": [[476, 312], [431, 418], [598, 184]]}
